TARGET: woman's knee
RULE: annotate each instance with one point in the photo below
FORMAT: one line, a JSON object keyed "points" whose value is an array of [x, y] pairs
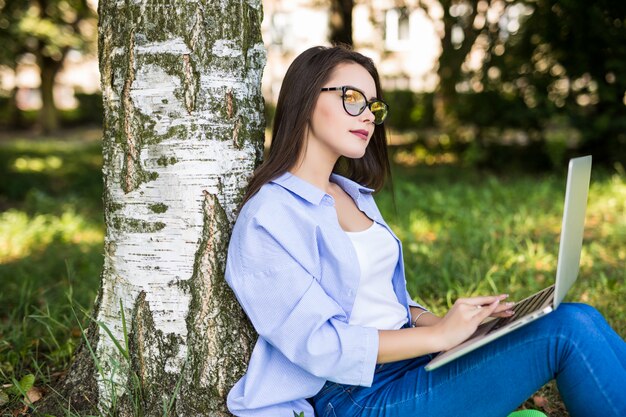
{"points": [[574, 315]]}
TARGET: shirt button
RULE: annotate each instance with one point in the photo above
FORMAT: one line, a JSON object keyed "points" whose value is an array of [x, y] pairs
{"points": [[328, 200]]}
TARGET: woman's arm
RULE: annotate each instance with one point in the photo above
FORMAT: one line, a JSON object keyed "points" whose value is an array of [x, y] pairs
{"points": [[424, 317], [436, 334]]}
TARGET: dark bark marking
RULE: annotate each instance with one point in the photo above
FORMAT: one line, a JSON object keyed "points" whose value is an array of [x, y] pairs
{"points": [[128, 107], [236, 141], [189, 85], [229, 103]]}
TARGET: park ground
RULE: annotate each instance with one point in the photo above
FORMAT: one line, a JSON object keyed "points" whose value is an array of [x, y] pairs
{"points": [[465, 232]]}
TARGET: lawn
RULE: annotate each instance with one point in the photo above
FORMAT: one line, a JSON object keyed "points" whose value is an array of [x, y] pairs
{"points": [[51, 237], [465, 232]]}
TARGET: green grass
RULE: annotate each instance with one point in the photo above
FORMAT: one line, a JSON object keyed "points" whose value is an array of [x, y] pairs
{"points": [[51, 237], [465, 232]]}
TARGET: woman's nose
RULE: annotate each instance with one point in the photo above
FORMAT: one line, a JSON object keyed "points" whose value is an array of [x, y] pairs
{"points": [[367, 115]]}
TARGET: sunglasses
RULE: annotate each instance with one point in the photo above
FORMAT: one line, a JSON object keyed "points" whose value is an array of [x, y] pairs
{"points": [[355, 103]]}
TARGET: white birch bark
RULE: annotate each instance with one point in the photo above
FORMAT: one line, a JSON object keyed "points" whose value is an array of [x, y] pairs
{"points": [[183, 131]]}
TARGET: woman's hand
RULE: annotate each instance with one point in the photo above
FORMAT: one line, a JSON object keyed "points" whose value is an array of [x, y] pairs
{"points": [[466, 314], [503, 309], [435, 334]]}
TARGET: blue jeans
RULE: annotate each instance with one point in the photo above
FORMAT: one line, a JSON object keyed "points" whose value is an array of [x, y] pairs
{"points": [[573, 344]]}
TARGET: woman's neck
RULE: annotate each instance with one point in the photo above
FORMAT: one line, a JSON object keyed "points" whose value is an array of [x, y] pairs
{"points": [[315, 167], [317, 175]]}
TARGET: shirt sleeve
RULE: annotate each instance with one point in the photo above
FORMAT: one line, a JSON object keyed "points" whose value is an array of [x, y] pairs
{"points": [[413, 303], [289, 308]]}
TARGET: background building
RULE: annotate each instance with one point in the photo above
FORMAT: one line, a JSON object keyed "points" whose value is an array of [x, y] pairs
{"points": [[402, 41]]}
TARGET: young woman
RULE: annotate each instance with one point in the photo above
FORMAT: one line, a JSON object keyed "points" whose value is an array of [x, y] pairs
{"points": [[320, 275]]}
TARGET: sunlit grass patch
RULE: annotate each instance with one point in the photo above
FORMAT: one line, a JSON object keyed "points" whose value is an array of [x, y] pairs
{"points": [[22, 234], [53, 168], [25, 164]]}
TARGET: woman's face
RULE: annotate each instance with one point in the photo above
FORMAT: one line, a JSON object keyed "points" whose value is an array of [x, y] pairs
{"points": [[332, 131]]}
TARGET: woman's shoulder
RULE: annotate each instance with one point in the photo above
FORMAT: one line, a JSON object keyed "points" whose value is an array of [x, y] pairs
{"points": [[273, 205], [269, 198], [270, 221]]}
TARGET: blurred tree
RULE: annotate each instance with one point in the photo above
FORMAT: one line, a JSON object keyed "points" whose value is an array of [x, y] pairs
{"points": [[47, 29], [568, 61], [10, 10], [340, 21], [555, 69], [465, 23]]}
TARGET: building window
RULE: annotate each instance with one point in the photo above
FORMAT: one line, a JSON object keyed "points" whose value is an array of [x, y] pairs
{"points": [[397, 29]]}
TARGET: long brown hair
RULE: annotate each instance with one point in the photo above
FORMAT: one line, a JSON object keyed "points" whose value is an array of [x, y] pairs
{"points": [[298, 94]]}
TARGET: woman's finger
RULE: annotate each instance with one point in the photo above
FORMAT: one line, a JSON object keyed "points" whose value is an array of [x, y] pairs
{"points": [[504, 306], [483, 300], [505, 313], [482, 312]]}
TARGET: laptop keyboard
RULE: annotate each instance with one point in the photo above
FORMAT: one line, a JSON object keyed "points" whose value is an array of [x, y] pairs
{"points": [[524, 307]]}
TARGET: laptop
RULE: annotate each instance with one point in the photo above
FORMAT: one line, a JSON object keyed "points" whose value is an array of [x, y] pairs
{"points": [[548, 299]]}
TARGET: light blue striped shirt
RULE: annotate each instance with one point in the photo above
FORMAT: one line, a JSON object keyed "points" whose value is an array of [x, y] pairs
{"points": [[296, 274]]}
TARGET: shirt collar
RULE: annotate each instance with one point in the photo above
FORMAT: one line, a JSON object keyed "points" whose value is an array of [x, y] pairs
{"points": [[354, 189], [314, 195]]}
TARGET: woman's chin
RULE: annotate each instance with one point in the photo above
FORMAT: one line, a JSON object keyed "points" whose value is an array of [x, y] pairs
{"points": [[355, 154]]}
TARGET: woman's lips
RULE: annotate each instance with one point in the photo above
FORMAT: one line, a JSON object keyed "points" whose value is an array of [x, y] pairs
{"points": [[363, 134]]}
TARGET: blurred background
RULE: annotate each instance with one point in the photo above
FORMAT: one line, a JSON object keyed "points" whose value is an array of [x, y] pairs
{"points": [[487, 82], [488, 100]]}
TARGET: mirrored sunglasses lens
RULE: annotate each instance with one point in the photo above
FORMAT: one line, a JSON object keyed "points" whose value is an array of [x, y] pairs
{"points": [[354, 102], [379, 110]]}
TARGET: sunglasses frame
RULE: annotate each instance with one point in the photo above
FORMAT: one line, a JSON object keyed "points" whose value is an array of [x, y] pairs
{"points": [[368, 104]]}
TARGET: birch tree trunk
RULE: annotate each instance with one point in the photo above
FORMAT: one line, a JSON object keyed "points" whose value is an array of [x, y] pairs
{"points": [[183, 130]]}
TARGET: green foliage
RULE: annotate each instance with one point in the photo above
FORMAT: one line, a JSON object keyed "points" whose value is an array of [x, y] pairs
{"points": [[11, 12], [90, 108], [68, 167], [562, 70], [492, 109], [13, 394], [23, 385], [61, 25], [409, 110], [567, 62], [45, 31]]}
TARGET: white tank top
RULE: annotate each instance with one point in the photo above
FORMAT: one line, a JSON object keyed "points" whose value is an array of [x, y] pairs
{"points": [[376, 304]]}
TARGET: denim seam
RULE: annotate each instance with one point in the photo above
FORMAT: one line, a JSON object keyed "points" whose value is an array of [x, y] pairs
{"points": [[595, 379], [329, 410], [349, 394]]}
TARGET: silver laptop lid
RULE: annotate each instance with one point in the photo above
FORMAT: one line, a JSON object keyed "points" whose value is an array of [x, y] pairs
{"points": [[573, 226]]}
